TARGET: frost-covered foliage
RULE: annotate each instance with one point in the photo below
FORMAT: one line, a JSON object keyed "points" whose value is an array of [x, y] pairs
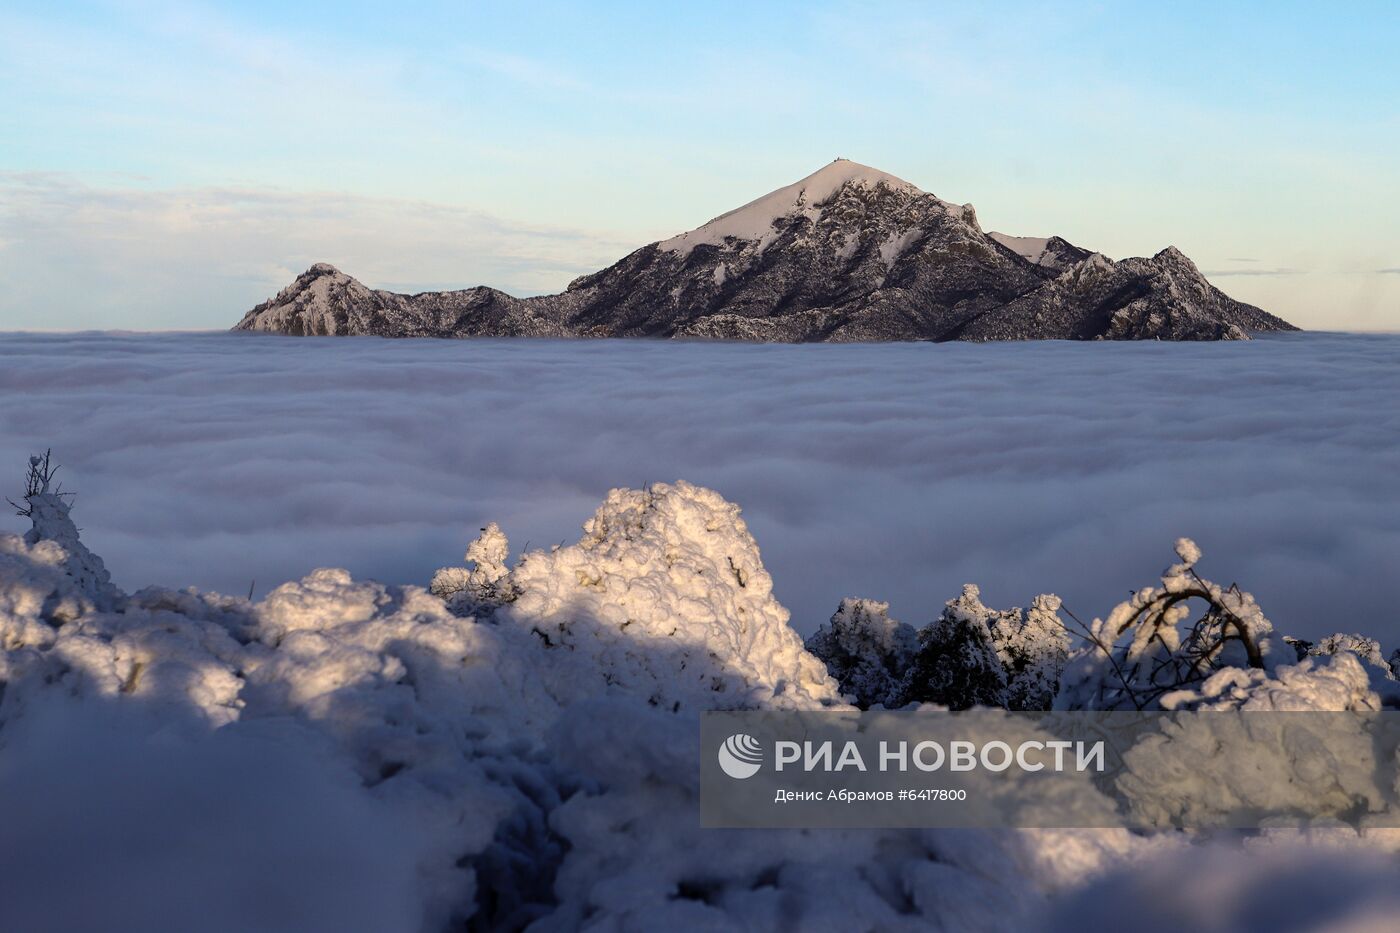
{"points": [[1382, 670], [47, 507], [667, 594], [353, 756], [1229, 658], [1033, 649], [866, 651], [1313, 684], [957, 664], [484, 584], [969, 656], [1363, 646], [1207, 770], [1139, 653], [1031, 646]]}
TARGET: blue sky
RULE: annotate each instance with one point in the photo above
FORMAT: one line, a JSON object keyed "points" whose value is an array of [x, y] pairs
{"points": [[166, 165]]}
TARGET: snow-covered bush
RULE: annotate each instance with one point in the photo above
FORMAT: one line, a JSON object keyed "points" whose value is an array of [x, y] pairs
{"points": [[1367, 649], [1315, 684], [1228, 658], [1139, 654], [1312, 764], [969, 656], [482, 586], [866, 651], [1033, 648], [1211, 770], [46, 506], [957, 664], [1363, 646], [533, 765]]}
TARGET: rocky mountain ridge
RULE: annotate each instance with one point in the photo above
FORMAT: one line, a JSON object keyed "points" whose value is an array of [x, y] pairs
{"points": [[849, 253]]}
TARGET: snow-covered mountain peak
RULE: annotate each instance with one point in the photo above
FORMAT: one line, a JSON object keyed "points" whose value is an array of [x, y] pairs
{"points": [[755, 220], [822, 183], [1174, 255]]}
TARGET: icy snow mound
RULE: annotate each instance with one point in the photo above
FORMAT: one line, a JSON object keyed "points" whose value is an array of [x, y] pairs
{"points": [[47, 509], [666, 592]]}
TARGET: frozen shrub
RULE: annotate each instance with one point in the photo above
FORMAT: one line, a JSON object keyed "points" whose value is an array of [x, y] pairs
{"points": [[1032, 647], [976, 656], [481, 586], [957, 664], [866, 651], [47, 507], [1382, 671], [1140, 652], [1365, 648], [1335, 682]]}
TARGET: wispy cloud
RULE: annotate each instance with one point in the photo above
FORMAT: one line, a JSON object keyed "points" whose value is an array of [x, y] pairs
{"points": [[1253, 272], [523, 69], [79, 255]]}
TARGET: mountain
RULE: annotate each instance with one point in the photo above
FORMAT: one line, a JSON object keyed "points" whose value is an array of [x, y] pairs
{"points": [[847, 253]]}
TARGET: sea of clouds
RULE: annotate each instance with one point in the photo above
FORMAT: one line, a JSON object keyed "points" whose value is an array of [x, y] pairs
{"points": [[896, 472]]}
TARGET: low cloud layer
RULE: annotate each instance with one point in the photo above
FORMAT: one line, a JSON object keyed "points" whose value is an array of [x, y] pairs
{"points": [[896, 472]]}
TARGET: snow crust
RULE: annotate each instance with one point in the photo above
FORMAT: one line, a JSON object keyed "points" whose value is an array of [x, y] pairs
{"points": [[530, 764], [1337, 884], [754, 220]]}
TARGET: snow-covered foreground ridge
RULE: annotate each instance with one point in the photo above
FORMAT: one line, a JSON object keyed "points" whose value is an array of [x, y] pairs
{"points": [[515, 746]]}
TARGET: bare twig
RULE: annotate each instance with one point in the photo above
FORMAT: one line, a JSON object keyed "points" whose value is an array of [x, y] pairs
{"points": [[1107, 652], [36, 481]]}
